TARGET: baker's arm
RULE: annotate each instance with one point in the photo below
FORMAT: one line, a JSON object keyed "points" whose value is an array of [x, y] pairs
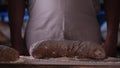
{"points": [[112, 17], [16, 14]]}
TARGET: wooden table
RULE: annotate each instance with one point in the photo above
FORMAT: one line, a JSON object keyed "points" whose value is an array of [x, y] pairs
{"points": [[29, 62]]}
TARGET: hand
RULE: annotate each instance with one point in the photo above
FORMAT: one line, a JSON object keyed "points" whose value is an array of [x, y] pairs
{"points": [[110, 49], [20, 46]]}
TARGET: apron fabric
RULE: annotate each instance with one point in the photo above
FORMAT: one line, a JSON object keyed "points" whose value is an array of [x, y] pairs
{"points": [[62, 20]]}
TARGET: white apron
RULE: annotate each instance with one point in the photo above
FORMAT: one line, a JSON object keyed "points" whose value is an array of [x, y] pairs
{"points": [[62, 19]]}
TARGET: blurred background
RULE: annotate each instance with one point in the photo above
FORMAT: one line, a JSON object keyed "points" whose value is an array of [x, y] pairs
{"points": [[5, 31]]}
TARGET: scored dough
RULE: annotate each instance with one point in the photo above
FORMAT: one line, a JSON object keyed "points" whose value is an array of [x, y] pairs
{"points": [[79, 49], [8, 54]]}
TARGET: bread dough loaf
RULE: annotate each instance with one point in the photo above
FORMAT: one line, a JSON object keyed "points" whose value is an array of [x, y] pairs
{"points": [[8, 54], [80, 49]]}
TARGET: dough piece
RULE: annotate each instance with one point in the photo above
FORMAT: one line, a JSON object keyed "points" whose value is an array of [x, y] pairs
{"points": [[8, 54], [80, 49]]}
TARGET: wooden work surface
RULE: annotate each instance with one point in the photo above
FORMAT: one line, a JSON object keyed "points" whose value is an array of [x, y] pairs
{"points": [[29, 62]]}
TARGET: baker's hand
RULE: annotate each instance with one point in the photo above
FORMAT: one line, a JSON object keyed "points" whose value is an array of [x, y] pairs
{"points": [[20, 46], [110, 49]]}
